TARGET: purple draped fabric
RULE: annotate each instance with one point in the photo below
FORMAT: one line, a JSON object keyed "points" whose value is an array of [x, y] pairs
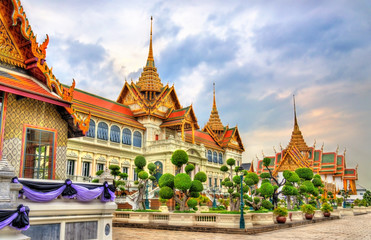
{"points": [[69, 190], [8, 221], [41, 196]]}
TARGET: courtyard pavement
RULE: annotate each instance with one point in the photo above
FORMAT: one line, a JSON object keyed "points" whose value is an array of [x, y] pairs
{"points": [[349, 227]]}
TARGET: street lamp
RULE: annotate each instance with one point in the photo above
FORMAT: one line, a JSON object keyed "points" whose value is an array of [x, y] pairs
{"points": [[214, 189], [242, 219], [146, 202]]}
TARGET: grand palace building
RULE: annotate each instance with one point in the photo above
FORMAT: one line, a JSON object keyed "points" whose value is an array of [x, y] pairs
{"points": [[55, 131]]}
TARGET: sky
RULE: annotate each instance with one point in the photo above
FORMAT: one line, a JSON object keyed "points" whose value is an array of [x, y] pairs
{"points": [[258, 53]]}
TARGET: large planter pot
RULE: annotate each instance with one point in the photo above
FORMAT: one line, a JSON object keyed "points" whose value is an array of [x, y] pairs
{"points": [[326, 214], [281, 219], [309, 216]]}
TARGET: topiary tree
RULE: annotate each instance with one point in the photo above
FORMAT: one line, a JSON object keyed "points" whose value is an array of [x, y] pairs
{"points": [[115, 171], [274, 179], [181, 185], [143, 178], [233, 183]]}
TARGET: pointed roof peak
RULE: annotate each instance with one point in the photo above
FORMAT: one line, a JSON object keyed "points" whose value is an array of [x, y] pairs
{"points": [[296, 136], [149, 80], [214, 121]]}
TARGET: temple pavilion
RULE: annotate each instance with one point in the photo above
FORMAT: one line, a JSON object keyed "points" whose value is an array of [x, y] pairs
{"points": [[331, 166]]}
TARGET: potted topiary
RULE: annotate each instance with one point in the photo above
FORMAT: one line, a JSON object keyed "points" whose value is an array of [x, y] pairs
{"points": [[326, 209], [281, 213], [308, 210]]}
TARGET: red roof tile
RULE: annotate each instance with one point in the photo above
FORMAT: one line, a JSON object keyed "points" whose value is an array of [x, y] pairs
{"points": [[29, 87], [104, 108]]}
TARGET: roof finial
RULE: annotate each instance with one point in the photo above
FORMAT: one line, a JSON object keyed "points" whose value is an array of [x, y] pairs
{"points": [[296, 121], [150, 53], [214, 102]]}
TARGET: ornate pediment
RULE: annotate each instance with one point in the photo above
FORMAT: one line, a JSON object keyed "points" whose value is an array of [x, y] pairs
{"points": [[288, 164], [9, 52]]}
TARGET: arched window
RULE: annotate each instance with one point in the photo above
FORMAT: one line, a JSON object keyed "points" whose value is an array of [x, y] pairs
{"points": [[102, 132], [137, 139], [220, 158], [126, 136], [91, 131], [215, 157], [115, 134], [209, 156]]}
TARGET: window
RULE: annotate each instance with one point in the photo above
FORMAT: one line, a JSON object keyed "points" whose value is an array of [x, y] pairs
{"points": [[220, 182], [102, 132], [209, 156], [238, 163], [91, 131], [126, 136], [215, 182], [137, 139], [220, 158], [85, 169], [210, 182], [125, 170], [39, 154], [115, 134], [215, 157], [70, 167], [135, 175], [100, 166], [156, 137]]}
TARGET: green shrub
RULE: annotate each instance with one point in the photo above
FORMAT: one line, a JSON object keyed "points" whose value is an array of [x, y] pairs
{"points": [[115, 170], [192, 203], [307, 208], [200, 176], [317, 182], [231, 161], [237, 180], [224, 168], [294, 177], [140, 162], [266, 189], [267, 204], [189, 168], [152, 178], [179, 158], [166, 179], [194, 194], [313, 203], [151, 167], [326, 208], [182, 181], [196, 186], [98, 173], [265, 175], [305, 173], [166, 192], [95, 180], [281, 211], [143, 175]]}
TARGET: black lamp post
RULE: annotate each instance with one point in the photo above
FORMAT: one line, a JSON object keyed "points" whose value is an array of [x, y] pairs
{"points": [[214, 189], [242, 219]]}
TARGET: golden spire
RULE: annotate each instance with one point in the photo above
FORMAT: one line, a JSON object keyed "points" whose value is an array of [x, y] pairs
{"points": [[296, 136], [150, 60], [149, 80], [214, 121]]}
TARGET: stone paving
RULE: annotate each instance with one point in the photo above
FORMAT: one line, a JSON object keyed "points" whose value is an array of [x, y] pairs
{"points": [[349, 227]]}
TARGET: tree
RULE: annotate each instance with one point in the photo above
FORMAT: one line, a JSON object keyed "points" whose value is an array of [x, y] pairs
{"points": [[115, 171], [367, 197], [278, 185], [143, 178], [233, 183], [181, 187]]}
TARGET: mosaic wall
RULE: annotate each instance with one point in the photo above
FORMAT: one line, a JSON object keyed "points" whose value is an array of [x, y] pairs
{"points": [[36, 113]]}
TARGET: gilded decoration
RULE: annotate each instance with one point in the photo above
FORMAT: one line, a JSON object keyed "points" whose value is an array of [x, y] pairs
{"points": [[36, 113], [8, 50], [39, 51]]}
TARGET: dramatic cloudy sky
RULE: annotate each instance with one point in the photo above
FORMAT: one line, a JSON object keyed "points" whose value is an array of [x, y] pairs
{"points": [[258, 54]]}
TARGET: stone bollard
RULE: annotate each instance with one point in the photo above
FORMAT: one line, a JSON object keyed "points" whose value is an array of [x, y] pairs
{"points": [[9, 199]]}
